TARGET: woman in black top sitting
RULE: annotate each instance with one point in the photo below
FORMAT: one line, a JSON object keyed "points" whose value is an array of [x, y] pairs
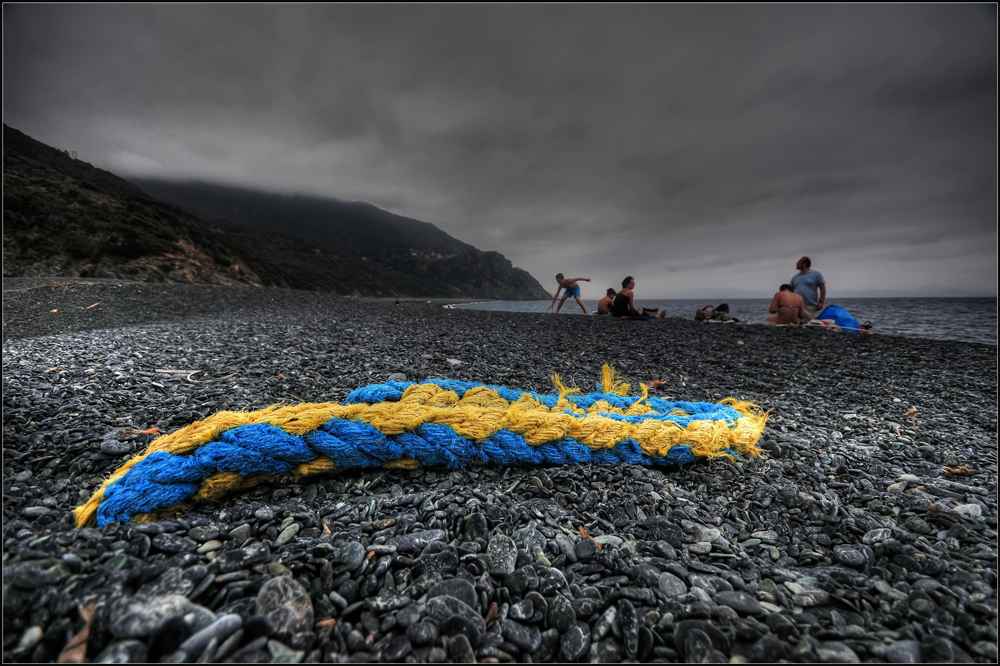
{"points": [[624, 303]]}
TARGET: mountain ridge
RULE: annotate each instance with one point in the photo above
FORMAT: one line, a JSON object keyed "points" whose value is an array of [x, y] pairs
{"points": [[64, 216]]}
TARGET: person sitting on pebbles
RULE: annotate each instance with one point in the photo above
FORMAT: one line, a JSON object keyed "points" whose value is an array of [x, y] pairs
{"points": [[788, 305], [604, 305], [572, 289], [624, 303]]}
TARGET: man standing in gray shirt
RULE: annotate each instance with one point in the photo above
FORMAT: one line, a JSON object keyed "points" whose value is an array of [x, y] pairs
{"points": [[806, 283]]}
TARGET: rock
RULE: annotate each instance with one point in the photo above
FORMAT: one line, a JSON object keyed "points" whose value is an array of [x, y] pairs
{"points": [[503, 553], [566, 547], [457, 588], [575, 642], [876, 535], [352, 556], [526, 637], [561, 615], [671, 585], [393, 650], [835, 652], [241, 533], [528, 538], [608, 651], [288, 534], [585, 549], [739, 601], [476, 527], [461, 650], [609, 540], [220, 630], [416, 541], [853, 555], [422, 633], [286, 605], [905, 652], [136, 617], [122, 652], [455, 617]]}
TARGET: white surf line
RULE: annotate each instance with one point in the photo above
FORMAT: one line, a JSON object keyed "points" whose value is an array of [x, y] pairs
{"points": [[452, 306]]}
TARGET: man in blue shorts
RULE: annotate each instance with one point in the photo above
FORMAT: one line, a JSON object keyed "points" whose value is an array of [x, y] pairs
{"points": [[806, 283], [572, 289]]}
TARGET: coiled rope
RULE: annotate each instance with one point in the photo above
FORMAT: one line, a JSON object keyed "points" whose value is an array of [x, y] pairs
{"points": [[438, 422]]}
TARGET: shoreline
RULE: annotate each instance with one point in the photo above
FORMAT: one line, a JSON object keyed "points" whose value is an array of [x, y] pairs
{"points": [[848, 539]]}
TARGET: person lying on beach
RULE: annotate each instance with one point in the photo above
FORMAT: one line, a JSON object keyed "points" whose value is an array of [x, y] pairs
{"points": [[604, 305], [572, 289], [624, 303], [788, 306]]}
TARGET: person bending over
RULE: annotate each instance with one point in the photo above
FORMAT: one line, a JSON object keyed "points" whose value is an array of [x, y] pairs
{"points": [[572, 289], [788, 307], [604, 305], [624, 303]]}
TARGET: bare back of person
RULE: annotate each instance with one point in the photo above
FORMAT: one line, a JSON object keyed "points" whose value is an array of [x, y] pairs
{"points": [[789, 307]]}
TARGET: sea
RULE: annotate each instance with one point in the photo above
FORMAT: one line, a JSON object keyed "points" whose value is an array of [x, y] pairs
{"points": [[964, 319]]}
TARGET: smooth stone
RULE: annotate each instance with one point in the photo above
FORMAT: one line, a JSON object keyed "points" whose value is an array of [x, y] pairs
{"points": [[604, 623], [585, 549], [453, 616], [835, 652], [282, 654], [876, 535], [122, 652], [575, 642], [476, 527], [241, 533], [416, 541], [209, 547], [671, 585], [706, 534], [528, 638], [528, 537], [287, 605], [608, 651], [456, 588], [352, 556], [30, 638], [811, 598], [609, 540], [700, 547], [222, 628], [523, 610], [136, 617], [422, 633], [739, 601], [560, 614], [853, 555], [567, 548], [288, 534], [503, 553], [905, 652], [393, 650], [765, 536], [461, 650]]}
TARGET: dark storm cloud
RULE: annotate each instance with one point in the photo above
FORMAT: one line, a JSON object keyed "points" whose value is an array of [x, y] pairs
{"points": [[700, 147]]}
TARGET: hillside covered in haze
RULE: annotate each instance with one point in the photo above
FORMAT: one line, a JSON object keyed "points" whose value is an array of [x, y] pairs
{"points": [[64, 217]]}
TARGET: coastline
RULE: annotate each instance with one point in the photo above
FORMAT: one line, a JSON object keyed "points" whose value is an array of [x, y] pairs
{"points": [[847, 538]]}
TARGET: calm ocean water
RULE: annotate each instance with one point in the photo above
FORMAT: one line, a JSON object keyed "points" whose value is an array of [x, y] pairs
{"points": [[967, 319]]}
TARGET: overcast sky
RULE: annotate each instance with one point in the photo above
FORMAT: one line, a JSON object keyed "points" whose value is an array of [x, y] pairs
{"points": [[701, 148]]}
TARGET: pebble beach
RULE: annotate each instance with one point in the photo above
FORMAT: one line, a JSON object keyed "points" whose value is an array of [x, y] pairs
{"points": [[866, 532]]}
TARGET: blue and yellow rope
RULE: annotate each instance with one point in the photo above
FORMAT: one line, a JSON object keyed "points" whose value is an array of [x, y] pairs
{"points": [[437, 422]]}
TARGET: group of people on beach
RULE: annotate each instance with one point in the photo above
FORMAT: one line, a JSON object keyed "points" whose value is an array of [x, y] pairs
{"points": [[797, 302], [616, 304], [802, 299]]}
